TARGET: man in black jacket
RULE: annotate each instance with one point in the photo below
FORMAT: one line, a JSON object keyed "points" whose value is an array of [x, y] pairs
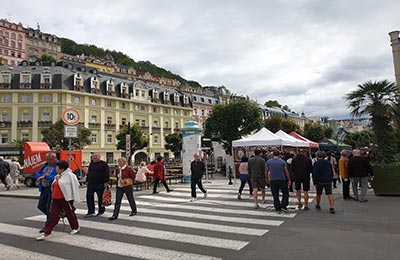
{"points": [[197, 168], [360, 171], [97, 180], [4, 171]]}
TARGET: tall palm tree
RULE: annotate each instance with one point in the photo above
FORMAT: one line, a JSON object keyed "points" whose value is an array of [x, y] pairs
{"points": [[377, 99]]}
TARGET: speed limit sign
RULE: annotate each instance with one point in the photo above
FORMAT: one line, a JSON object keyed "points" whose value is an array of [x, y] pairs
{"points": [[70, 116]]}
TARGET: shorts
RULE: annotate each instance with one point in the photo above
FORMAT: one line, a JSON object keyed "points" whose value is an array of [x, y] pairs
{"points": [[326, 186], [306, 184], [258, 183], [244, 177]]}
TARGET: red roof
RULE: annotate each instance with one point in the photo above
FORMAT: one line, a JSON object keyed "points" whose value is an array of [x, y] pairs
{"points": [[312, 144]]}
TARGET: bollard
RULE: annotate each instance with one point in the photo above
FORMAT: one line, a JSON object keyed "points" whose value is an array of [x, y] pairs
{"points": [[230, 175]]}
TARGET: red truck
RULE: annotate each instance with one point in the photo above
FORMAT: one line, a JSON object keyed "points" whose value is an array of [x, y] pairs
{"points": [[35, 157]]}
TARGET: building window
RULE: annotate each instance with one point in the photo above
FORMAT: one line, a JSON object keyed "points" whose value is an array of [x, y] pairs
{"points": [[4, 117], [166, 124], [25, 99], [156, 139], [94, 101], [77, 100], [143, 122], [26, 117], [46, 98], [109, 139], [176, 125], [5, 99], [94, 138], [202, 112], [123, 105], [136, 107], [4, 138], [155, 123], [93, 119], [123, 121], [143, 108], [185, 113], [25, 136], [166, 110], [195, 111], [109, 103], [176, 112], [46, 116], [136, 92], [137, 122], [154, 110], [109, 120]]}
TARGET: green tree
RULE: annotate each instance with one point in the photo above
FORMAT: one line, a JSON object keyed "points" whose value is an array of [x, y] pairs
{"points": [[19, 143], [359, 139], [276, 123], [174, 144], [314, 132], [232, 121], [54, 137], [138, 140], [272, 103], [377, 99], [327, 131], [46, 57]]}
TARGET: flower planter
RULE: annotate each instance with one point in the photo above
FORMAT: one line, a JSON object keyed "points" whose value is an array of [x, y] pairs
{"points": [[386, 180]]}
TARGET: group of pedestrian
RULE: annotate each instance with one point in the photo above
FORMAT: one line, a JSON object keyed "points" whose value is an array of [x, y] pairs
{"points": [[270, 170], [10, 172]]}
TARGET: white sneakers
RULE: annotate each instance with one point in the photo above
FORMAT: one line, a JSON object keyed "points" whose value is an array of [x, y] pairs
{"points": [[42, 237], [193, 199], [74, 231], [205, 195]]}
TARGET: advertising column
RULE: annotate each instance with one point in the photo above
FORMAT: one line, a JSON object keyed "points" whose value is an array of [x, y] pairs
{"points": [[191, 139]]}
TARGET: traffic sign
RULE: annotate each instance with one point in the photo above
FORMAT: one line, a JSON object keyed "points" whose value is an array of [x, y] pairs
{"points": [[70, 116], [70, 131]]}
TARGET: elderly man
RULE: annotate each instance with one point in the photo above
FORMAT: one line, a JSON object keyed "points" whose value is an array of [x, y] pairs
{"points": [[97, 180], [359, 171], [45, 177], [197, 169]]}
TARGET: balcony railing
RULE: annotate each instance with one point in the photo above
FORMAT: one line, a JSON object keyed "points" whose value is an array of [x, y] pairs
{"points": [[24, 124], [94, 125], [5, 124], [109, 126], [45, 123]]}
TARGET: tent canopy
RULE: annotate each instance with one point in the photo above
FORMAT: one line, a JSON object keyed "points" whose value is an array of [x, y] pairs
{"points": [[330, 144], [312, 144], [264, 137], [297, 142]]}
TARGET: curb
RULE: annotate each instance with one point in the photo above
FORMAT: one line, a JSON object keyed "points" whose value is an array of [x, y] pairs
{"points": [[23, 196]]}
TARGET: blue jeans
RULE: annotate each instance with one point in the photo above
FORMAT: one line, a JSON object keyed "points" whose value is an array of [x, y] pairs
{"points": [[91, 189], [45, 202]]}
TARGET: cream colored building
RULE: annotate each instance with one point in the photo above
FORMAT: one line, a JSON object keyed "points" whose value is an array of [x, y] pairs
{"points": [[33, 97]]}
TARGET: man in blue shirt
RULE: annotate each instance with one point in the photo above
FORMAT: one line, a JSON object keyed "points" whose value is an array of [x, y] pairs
{"points": [[322, 178], [279, 179]]}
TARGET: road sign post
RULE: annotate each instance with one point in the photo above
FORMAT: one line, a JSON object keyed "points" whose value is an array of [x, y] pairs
{"points": [[71, 118]]}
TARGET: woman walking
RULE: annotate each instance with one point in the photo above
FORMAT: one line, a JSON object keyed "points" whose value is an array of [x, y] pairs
{"points": [[125, 176], [159, 175], [142, 174], [244, 177], [15, 169], [65, 189]]}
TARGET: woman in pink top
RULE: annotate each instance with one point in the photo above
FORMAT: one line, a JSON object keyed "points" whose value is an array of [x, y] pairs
{"points": [[142, 173], [244, 177]]}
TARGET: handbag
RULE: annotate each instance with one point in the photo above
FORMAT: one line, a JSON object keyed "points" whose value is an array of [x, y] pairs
{"points": [[107, 201], [126, 182]]}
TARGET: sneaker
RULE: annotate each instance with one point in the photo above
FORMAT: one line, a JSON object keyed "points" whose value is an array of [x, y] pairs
{"points": [[74, 231], [300, 205], [8, 187], [364, 200], [42, 237], [205, 195], [332, 210], [99, 214], [256, 206], [306, 208], [278, 212], [317, 206], [285, 210], [112, 218], [41, 231], [239, 196], [193, 199], [132, 214], [155, 192], [89, 215], [168, 191]]}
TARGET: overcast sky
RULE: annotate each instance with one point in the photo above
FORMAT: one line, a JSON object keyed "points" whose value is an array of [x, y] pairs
{"points": [[305, 54]]}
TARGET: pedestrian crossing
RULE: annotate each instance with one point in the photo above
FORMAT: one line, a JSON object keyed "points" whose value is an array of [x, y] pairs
{"points": [[167, 226]]}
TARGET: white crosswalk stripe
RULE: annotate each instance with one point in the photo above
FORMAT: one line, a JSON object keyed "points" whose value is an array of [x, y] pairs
{"points": [[206, 229]]}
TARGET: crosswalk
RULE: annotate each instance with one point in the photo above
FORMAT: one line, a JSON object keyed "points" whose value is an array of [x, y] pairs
{"points": [[167, 226]]}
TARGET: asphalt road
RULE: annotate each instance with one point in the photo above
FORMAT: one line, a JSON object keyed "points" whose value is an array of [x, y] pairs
{"points": [[168, 226]]}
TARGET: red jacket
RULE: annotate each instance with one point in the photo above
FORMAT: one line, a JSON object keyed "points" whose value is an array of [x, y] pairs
{"points": [[128, 172], [159, 171]]}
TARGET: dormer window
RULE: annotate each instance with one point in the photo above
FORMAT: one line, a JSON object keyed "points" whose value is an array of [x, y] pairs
{"points": [[176, 98], [5, 80], [124, 90], [94, 85], [25, 79], [45, 79], [78, 82], [155, 94], [166, 98], [110, 87], [185, 99]]}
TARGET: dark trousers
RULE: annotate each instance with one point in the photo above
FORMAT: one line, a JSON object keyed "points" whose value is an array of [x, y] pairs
{"points": [[276, 186], [128, 190], [56, 207], [3, 178], [346, 189], [156, 182], [242, 184], [45, 202], [193, 183], [91, 189]]}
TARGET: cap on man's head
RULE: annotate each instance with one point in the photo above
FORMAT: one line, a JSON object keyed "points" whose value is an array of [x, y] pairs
{"points": [[276, 153]]}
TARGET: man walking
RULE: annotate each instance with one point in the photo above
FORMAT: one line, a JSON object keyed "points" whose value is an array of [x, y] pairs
{"points": [[302, 168], [4, 171], [257, 171], [344, 174], [197, 169], [45, 177], [97, 180], [322, 178], [360, 171], [279, 179]]}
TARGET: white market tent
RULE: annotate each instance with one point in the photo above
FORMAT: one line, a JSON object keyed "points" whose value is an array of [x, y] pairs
{"points": [[264, 137], [298, 143]]}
